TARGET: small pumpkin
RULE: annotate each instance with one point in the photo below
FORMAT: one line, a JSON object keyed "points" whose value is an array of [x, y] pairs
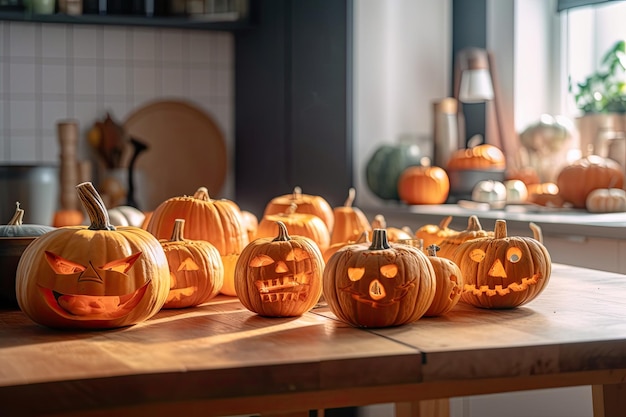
{"points": [[545, 194], [382, 285], [305, 203], [424, 185], [578, 179], [219, 222], [503, 271], [196, 269], [67, 217], [95, 276], [481, 157], [350, 221], [434, 234], [394, 234], [606, 200], [280, 276], [449, 283], [473, 230], [126, 216], [301, 224]]}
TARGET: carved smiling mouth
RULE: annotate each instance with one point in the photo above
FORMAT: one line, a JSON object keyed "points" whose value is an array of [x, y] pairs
{"points": [[501, 290], [92, 307], [286, 288]]}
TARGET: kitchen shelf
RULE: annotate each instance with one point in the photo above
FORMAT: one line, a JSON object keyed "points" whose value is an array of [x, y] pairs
{"points": [[226, 22]]}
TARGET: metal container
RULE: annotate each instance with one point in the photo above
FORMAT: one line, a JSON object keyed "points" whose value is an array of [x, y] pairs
{"points": [[36, 187]]}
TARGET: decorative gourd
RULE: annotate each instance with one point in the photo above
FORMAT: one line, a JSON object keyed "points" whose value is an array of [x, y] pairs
{"points": [[490, 191], [449, 284], [394, 234], [280, 276], [126, 216], [297, 224], [305, 203], [577, 180], [95, 276], [606, 200], [364, 239], [503, 271], [386, 164], [424, 185], [481, 157], [350, 221], [516, 191], [196, 269], [15, 236], [474, 230], [433, 234], [381, 285], [219, 222]]}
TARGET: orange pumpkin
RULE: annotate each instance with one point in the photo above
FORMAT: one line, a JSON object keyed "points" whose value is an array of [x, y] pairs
{"points": [[480, 157], [297, 224], [280, 276], [474, 230], [433, 234], [503, 271], [577, 180], [95, 276], [382, 285], [305, 203], [219, 222], [350, 221], [424, 185], [196, 269], [364, 239], [394, 234], [67, 217], [449, 284]]}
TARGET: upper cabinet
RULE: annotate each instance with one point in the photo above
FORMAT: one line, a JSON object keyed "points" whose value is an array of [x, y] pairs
{"points": [[220, 15]]}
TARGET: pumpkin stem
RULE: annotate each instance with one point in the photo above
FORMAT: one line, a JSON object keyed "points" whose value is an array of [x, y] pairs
{"points": [[537, 233], [432, 250], [473, 224], [177, 231], [283, 235], [18, 216], [202, 193], [445, 222], [297, 193], [351, 196], [379, 240], [379, 222], [94, 206], [500, 229]]}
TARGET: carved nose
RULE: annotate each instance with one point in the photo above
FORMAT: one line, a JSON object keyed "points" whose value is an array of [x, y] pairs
{"points": [[497, 269], [377, 290]]}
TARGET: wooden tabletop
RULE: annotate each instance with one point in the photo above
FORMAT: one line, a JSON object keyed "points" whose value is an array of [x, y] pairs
{"points": [[221, 359]]}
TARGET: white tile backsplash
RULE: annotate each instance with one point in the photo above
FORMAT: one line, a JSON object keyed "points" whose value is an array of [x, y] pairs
{"points": [[50, 72]]}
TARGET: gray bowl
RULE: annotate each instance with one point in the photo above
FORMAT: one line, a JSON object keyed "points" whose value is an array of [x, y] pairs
{"points": [[463, 181]]}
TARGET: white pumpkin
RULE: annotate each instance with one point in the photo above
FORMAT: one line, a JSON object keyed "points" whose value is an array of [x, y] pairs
{"points": [[606, 200], [126, 216]]}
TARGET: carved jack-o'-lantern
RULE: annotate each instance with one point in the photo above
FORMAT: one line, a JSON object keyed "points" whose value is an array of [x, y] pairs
{"points": [[196, 269], [503, 271], [379, 286], [92, 276], [281, 276]]}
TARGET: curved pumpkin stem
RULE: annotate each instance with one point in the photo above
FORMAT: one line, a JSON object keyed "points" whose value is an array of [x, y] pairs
{"points": [[432, 250], [473, 224], [537, 232], [499, 231], [379, 240], [94, 206], [379, 222], [283, 235], [297, 193], [202, 193], [351, 196], [18, 216], [177, 231], [445, 222]]}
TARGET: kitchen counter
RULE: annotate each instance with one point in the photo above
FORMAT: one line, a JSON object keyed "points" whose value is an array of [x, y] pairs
{"points": [[221, 359], [572, 236]]}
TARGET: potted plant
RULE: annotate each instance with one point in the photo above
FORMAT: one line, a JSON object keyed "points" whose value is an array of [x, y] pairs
{"points": [[601, 97]]}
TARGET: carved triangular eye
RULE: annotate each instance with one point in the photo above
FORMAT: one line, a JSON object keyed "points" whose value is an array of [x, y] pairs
{"points": [[261, 260], [121, 265], [188, 265], [61, 265]]}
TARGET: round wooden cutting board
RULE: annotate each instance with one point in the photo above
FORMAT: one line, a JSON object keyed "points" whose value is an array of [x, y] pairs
{"points": [[186, 150]]}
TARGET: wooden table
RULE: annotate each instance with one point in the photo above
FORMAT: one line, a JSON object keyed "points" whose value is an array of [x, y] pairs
{"points": [[220, 359]]}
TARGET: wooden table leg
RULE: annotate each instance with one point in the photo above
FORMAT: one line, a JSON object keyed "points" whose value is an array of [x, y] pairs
{"points": [[609, 400], [428, 408]]}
